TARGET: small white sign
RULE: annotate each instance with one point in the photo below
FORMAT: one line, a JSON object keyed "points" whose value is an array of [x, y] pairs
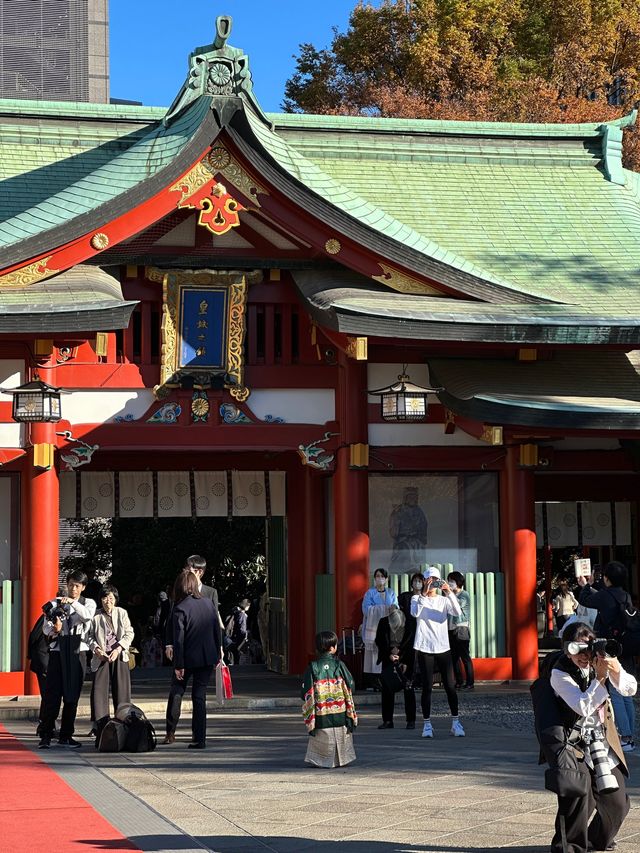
{"points": [[582, 567]]}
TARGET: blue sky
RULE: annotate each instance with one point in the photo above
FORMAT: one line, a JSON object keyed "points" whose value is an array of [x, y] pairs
{"points": [[151, 40]]}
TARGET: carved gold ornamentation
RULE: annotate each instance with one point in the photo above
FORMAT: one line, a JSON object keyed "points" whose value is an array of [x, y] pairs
{"points": [[28, 275], [404, 283], [357, 348], [154, 274], [492, 434], [236, 284], [222, 162], [332, 246], [99, 241]]}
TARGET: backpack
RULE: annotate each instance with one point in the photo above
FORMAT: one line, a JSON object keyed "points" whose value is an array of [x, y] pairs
{"points": [[625, 626], [229, 625], [113, 737], [140, 735], [38, 648]]}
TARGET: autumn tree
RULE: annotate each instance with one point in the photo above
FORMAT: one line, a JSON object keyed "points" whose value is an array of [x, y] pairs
{"points": [[490, 60]]}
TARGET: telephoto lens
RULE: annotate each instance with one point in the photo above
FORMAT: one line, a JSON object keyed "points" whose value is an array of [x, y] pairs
{"points": [[605, 780]]}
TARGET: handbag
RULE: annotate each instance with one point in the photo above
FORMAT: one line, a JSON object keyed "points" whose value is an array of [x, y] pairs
{"points": [[132, 658], [224, 687], [462, 632], [392, 680]]}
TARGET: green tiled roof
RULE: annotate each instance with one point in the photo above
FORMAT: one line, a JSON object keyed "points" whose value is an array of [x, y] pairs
{"points": [[58, 161], [527, 204]]}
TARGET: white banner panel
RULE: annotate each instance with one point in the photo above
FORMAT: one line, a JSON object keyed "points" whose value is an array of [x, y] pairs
{"points": [[562, 524], [211, 493], [97, 495], [596, 523], [174, 495], [623, 523], [249, 496], [136, 494], [67, 494], [277, 492]]}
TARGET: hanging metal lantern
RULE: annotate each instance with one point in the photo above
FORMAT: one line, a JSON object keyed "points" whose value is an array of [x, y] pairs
{"points": [[35, 402], [404, 402]]}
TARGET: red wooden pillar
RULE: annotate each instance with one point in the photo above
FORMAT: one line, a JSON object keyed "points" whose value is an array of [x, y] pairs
{"points": [[40, 538], [518, 518], [351, 497], [306, 547]]}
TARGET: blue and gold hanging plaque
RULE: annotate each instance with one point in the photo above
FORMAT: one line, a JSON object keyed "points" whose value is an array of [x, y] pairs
{"points": [[203, 329]]}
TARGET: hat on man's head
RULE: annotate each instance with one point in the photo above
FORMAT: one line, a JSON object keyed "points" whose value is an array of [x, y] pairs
{"points": [[432, 572]]}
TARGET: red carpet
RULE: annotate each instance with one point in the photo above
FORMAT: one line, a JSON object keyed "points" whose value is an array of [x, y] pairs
{"points": [[39, 811]]}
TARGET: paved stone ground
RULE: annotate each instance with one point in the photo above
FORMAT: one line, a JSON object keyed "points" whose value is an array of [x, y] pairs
{"points": [[250, 792]]}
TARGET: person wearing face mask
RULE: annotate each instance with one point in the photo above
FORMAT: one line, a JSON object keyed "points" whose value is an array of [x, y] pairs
{"points": [[432, 645], [375, 605], [396, 656], [459, 633], [577, 734]]}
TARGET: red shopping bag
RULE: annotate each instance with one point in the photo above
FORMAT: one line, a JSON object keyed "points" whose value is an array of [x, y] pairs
{"points": [[224, 688]]}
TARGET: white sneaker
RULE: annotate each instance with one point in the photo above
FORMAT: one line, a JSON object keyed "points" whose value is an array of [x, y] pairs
{"points": [[456, 729], [427, 730]]}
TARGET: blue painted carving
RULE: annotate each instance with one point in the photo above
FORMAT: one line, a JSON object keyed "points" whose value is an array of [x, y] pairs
{"points": [[271, 419], [314, 456], [166, 414], [231, 414]]}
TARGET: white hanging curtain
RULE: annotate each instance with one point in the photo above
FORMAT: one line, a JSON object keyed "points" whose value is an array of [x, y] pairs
{"points": [[97, 494], [68, 494], [623, 523], [210, 493], [562, 524], [249, 494], [596, 523], [174, 494], [277, 492], [136, 494]]}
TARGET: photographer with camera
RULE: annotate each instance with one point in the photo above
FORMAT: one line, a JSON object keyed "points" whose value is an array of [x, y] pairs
{"points": [[579, 739], [66, 625], [614, 606], [432, 645]]}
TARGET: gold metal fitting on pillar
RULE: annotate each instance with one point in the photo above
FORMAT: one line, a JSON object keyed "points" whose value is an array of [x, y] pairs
{"points": [[43, 456], [358, 455], [528, 455]]}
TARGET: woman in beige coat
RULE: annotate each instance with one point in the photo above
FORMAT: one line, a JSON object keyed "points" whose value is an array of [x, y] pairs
{"points": [[110, 639]]}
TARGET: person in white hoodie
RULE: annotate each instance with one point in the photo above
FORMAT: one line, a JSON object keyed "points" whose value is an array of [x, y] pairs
{"points": [[431, 645]]}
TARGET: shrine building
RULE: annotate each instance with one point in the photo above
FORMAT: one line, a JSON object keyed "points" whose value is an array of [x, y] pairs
{"points": [[218, 291]]}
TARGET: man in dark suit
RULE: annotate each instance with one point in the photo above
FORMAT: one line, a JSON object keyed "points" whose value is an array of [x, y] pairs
{"points": [[196, 651]]}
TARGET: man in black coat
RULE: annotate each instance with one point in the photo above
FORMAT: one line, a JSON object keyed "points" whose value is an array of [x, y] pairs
{"points": [[197, 644]]}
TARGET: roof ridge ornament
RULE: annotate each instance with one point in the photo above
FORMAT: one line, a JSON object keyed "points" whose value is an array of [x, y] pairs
{"points": [[612, 133], [219, 71]]}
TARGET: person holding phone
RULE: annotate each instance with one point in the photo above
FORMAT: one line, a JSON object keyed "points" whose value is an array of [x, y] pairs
{"points": [[431, 644]]}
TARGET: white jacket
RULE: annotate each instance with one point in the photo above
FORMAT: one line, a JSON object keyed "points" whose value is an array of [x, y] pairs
{"points": [[121, 628]]}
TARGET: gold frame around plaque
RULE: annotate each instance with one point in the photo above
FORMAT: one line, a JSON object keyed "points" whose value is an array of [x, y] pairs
{"points": [[236, 283]]}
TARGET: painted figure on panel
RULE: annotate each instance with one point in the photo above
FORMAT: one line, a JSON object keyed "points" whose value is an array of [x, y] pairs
{"points": [[408, 529]]}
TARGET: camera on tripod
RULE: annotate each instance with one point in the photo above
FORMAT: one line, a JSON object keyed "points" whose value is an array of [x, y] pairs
{"points": [[56, 609]]}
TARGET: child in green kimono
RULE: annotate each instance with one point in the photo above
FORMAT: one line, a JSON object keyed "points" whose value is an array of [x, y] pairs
{"points": [[327, 706]]}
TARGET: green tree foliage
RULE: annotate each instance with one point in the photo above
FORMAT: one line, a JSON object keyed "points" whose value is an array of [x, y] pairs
{"points": [[501, 60], [143, 556]]}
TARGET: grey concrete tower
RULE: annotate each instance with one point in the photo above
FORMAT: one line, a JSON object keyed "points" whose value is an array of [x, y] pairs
{"points": [[54, 50]]}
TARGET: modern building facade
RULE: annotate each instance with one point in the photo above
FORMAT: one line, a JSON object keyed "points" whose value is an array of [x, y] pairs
{"points": [[54, 50], [221, 291]]}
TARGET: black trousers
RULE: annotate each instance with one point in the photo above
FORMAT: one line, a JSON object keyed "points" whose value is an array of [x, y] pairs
{"points": [[426, 665], [55, 688], [388, 701], [201, 676], [460, 656], [111, 678], [572, 819]]}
